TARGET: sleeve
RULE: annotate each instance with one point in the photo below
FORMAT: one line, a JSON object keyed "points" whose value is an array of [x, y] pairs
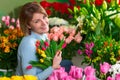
{"points": [[27, 52]]}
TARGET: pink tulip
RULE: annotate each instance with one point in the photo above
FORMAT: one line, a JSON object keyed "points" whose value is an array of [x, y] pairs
{"points": [[69, 39], [79, 51], [13, 20], [89, 71], [68, 78], [54, 29], [3, 18], [7, 23], [78, 37], [61, 37], [64, 45], [117, 77], [91, 77], [8, 18], [110, 78], [105, 67], [78, 73], [17, 22], [11, 27], [55, 37], [72, 71], [72, 31]]}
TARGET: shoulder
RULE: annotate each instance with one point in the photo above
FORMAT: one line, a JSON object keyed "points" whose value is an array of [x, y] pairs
{"points": [[28, 41]]}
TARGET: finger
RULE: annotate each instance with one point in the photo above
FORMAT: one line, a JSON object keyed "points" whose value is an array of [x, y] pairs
{"points": [[60, 53], [57, 53]]}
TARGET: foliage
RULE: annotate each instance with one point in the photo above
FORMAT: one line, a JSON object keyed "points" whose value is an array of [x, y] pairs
{"points": [[99, 17], [100, 49], [10, 38]]}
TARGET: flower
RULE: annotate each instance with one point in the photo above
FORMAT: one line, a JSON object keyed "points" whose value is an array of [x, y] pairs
{"points": [[97, 17], [10, 38], [55, 21], [104, 68], [45, 51], [24, 77], [71, 37], [100, 49]]}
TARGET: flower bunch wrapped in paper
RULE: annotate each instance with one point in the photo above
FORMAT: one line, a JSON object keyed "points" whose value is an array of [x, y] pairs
{"points": [[45, 51]]}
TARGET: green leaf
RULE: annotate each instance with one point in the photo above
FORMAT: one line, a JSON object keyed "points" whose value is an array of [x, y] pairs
{"points": [[38, 64]]}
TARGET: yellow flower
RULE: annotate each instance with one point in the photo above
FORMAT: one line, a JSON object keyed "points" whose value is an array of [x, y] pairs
{"points": [[30, 77], [119, 51], [6, 31], [40, 51], [3, 39], [41, 60], [12, 37], [7, 49], [14, 45], [4, 78], [17, 78], [43, 55]]}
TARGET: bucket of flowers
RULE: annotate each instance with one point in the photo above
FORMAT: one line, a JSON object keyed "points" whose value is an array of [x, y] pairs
{"points": [[10, 38], [100, 49]]}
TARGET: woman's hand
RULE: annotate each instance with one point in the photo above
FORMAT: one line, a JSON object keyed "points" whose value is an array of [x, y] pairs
{"points": [[57, 59]]}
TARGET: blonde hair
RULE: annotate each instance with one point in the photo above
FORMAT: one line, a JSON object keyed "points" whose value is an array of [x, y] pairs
{"points": [[26, 15]]}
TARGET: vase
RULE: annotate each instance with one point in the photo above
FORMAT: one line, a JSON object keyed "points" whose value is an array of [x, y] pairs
{"points": [[5, 72]]}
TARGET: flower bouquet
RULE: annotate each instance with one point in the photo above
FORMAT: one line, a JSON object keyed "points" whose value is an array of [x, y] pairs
{"points": [[10, 38], [45, 52]]}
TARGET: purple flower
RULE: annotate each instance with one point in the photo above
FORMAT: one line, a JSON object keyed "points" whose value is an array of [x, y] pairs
{"points": [[117, 77], [89, 71], [79, 51], [92, 77], [110, 78], [104, 67]]}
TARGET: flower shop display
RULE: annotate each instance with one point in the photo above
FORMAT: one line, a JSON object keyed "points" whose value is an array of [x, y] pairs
{"points": [[25, 77], [10, 38], [45, 52], [71, 37]]}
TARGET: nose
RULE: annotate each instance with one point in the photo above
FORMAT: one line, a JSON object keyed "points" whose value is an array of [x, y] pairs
{"points": [[44, 22]]}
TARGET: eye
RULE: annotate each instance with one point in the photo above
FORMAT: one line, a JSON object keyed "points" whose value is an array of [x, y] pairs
{"points": [[37, 21], [44, 17]]}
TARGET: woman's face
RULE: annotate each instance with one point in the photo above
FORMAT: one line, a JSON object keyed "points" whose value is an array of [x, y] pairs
{"points": [[39, 23]]}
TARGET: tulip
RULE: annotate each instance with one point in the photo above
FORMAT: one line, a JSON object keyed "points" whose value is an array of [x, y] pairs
{"points": [[104, 68]]}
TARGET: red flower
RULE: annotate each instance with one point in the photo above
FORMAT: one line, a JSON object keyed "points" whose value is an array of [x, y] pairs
{"points": [[108, 1], [64, 8], [46, 44], [45, 4], [29, 67], [37, 43], [48, 12], [64, 45], [43, 48], [98, 2], [56, 6], [72, 2], [119, 2]]}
